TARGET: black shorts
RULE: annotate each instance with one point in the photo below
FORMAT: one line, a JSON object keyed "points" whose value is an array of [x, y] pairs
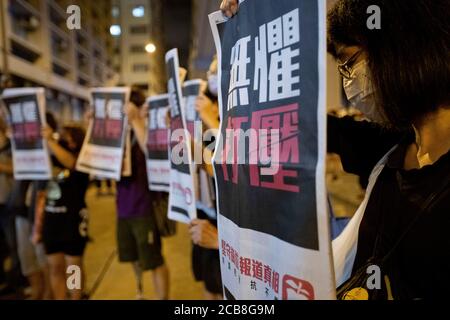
{"points": [[65, 233], [206, 264], [138, 240]]}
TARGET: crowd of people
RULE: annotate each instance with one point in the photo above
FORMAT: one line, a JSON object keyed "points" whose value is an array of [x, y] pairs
{"points": [[45, 223], [397, 76]]}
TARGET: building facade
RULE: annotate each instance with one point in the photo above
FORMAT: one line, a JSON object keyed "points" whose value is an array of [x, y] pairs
{"points": [[38, 48], [131, 28]]}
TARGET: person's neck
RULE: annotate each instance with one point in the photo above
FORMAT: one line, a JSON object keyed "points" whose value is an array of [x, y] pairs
{"points": [[432, 136]]}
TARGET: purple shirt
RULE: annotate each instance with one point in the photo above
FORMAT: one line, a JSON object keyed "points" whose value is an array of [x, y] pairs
{"points": [[134, 199]]}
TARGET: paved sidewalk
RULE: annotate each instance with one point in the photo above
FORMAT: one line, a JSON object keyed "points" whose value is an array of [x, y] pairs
{"points": [[106, 278]]}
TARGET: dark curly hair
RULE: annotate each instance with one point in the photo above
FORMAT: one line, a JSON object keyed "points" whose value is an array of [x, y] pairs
{"points": [[409, 57], [77, 134]]}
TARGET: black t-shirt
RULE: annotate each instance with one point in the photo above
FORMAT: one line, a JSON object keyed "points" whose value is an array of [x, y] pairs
{"points": [[66, 193], [419, 267]]}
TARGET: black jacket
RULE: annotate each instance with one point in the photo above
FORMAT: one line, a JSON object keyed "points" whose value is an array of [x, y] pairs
{"points": [[419, 267]]}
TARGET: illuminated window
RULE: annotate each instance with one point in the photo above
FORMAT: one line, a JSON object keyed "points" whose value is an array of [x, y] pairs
{"points": [[138, 11], [115, 30]]}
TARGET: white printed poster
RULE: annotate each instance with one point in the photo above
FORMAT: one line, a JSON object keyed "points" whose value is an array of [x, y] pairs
{"points": [[182, 194], [202, 184], [272, 210], [25, 110], [158, 163], [102, 154]]}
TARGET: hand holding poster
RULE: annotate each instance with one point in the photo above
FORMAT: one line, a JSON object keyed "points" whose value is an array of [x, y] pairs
{"points": [[158, 164], [25, 109], [272, 212], [191, 91], [103, 147], [181, 195]]}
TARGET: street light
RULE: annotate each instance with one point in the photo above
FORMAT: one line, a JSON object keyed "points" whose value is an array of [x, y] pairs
{"points": [[150, 48]]}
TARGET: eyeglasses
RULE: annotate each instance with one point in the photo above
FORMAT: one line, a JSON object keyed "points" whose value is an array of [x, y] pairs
{"points": [[345, 68]]}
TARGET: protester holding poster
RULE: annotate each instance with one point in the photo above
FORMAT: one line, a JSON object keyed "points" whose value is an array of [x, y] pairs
{"points": [[26, 116], [103, 149], [138, 238], [182, 195], [409, 126], [61, 221], [203, 230], [401, 227], [273, 225], [206, 103]]}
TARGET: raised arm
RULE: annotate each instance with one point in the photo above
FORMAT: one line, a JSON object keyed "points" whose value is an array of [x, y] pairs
{"points": [[65, 157]]}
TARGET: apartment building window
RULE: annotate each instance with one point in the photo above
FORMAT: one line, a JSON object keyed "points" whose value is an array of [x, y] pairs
{"points": [[139, 29], [140, 67], [138, 11], [115, 30], [137, 48], [115, 12]]}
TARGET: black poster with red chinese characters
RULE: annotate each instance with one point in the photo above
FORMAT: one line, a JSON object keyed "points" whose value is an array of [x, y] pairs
{"points": [[103, 148], [25, 109], [182, 194], [269, 163], [158, 164]]}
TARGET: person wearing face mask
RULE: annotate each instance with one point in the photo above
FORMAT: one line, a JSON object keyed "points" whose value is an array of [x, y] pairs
{"points": [[203, 230], [61, 222], [206, 104], [399, 77], [358, 87]]}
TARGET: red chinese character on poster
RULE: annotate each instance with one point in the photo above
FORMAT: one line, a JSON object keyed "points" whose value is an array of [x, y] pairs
{"points": [[268, 275], [284, 119], [113, 129], [99, 128], [245, 266], [275, 281], [236, 259], [257, 269], [231, 146], [224, 246], [32, 130]]}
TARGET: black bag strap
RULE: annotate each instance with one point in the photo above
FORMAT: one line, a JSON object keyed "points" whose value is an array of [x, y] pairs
{"points": [[432, 198]]}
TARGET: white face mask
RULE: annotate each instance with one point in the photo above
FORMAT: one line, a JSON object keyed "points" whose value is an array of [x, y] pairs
{"points": [[213, 84], [359, 92]]}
